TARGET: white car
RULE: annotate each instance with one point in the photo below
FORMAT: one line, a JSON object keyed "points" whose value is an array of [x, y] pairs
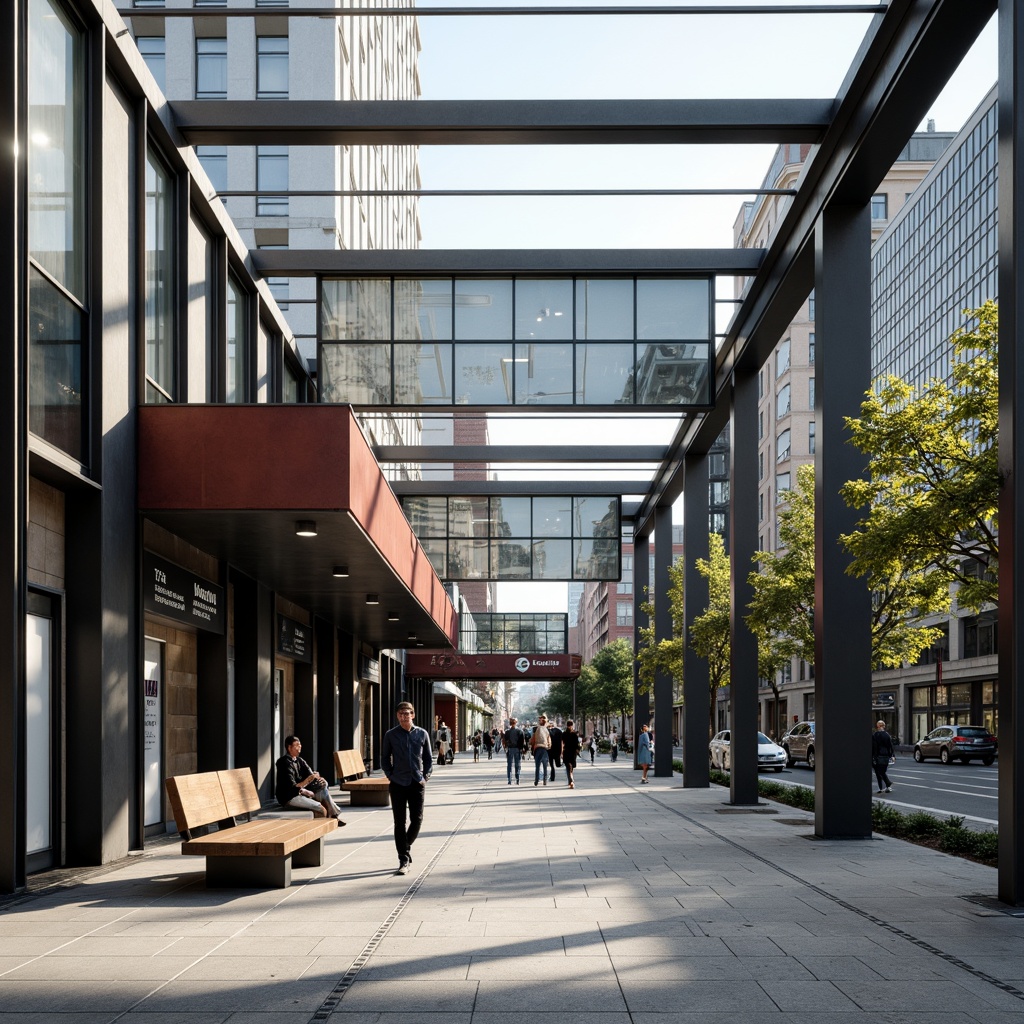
{"points": [[769, 755]]}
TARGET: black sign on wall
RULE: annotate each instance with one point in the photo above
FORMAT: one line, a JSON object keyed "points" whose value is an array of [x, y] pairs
{"points": [[175, 593], [294, 639]]}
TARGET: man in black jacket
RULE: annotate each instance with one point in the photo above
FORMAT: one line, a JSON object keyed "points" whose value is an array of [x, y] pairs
{"points": [[513, 741], [300, 787], [882, 748], [555, 754]]}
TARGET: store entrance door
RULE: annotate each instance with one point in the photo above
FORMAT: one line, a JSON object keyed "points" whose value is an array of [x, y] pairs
{"points": [[42, 715]]}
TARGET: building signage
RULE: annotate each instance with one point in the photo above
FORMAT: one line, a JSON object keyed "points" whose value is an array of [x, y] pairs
{"points": [[175, 593], [453, 665], [294, 640], [369, 669]]}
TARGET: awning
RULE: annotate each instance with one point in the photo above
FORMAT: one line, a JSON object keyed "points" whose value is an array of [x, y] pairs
{"points": [[235, 480]]}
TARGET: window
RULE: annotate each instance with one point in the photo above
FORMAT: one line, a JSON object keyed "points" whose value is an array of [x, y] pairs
{"points": [[271, 176], [760, 465], [237, 364], [161, 371], [880, 206], [980, 635], [783, 402], [272, 67], [760, 507], [782, 358], [810, 349], [154, 53], [760, 384], [810, 393], [625, 585], [782, 484], [810, 307], [783, 445], [211, 69], [215, 162], [760, 426], [623, 613], [811, 440], [279, 288]]}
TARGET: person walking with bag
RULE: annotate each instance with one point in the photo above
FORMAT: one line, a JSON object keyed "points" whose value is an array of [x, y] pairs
{"points": [[882, 750], [571, 745]]}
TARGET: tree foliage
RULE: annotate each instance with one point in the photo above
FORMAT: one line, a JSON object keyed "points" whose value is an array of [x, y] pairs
{"points": [[933, 487], [710, 632], [665, 655], [612, 669]]}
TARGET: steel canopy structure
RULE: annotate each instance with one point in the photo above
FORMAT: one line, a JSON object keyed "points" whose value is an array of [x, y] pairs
{"points": [[822, 242]]}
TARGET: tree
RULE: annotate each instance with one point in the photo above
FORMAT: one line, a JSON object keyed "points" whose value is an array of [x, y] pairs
{"points": [[558, 700], [709, 634], [665, 655], [613, 678], [933, 490]]}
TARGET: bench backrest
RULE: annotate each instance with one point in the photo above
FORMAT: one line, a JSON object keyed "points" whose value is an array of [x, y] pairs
{"points": [[211, 796], [348, 764]]}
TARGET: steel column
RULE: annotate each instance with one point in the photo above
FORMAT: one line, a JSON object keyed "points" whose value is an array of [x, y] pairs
{"points": [[1011, 444], [696, 676], [662, 631], [641, 584], [743, 542], [842, 608]]}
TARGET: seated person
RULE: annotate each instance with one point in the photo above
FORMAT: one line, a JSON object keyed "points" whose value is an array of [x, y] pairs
{"points": [[300, 787]]}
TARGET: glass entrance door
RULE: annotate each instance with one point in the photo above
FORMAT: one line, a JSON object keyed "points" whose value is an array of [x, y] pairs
{"points": [[42, 791]]}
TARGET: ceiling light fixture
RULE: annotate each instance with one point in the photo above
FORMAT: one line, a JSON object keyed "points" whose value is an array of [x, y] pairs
{"points": [[372, 599], [305, 528], [340, 571], [411, 636], [392, 616]]}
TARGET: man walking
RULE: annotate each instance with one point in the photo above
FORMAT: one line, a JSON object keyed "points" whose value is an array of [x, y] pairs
{"points": [[513, 741], [407, 761], [882, 748], [541, 744], [555, 754]]}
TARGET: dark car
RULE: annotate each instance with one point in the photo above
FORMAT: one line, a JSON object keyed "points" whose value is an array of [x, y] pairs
{"points": [[798, 744], [949, 742]]}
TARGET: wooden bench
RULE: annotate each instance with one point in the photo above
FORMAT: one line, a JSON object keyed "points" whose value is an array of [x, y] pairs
{"points": [[246, 855], [364, 792]]}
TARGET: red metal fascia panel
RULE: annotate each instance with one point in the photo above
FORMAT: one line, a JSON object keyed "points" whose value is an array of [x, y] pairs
{"points": [[452, 665]]}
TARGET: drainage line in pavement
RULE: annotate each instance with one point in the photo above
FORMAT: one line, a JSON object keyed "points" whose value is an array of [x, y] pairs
{"points": [[328, 1006], [891, 928]]}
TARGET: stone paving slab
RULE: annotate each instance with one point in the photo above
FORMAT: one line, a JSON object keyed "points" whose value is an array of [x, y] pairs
{"points": [[576, 907]]}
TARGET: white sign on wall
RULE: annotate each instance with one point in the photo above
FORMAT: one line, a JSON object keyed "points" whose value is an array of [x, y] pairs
{"points": [[152, 731]]}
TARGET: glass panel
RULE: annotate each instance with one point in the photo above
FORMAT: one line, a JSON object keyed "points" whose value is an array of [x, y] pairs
{"points": [[467, 517], [358, 309], [552, 517], [56, 154], [215, 162], [55, 366], [160, 366], [596, 559], [604, 374], [271, 176], [543, 309], [483, 374], [211, 69], [437, 552], [510, 517], [667, 308], [290, 387], [510, 559], [960, 694], [596, 517], [552, 560], [237, 356], [357, 374], [604, 309], [423, 374], [543, 374], [423, 309], [272, 68], [672, 374], [428, 516], [483, 309], [154, 53], [467, 559]]}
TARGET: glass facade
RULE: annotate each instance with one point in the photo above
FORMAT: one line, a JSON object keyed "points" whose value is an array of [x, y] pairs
{"points": [[518, 538], [57, 241], [237, 355], [937, 258], [516, 341], [519, 633], [161, 372]]}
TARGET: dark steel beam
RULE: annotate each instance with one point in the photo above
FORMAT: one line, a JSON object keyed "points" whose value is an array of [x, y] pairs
{"points": [[501, 488], [469, 262], [641, 620], [662, 631], [1011, 451], [500, 122], [503, 11], [526, 453], [906, 59], [443, 193]]}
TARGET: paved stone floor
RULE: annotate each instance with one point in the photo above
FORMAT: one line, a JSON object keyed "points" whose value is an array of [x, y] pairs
{"points": [[613, 903]]}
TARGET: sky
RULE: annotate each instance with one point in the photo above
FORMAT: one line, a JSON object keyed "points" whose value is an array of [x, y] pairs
{"points": [[626, 57]]}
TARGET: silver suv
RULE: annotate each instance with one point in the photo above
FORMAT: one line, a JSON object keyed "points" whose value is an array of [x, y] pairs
{"points": [[798, 744]]}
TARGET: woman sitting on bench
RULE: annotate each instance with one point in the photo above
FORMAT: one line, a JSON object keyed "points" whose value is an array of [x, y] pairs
{"points": [[300, 787]]}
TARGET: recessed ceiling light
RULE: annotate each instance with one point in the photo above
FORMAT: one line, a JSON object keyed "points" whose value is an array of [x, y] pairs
{"points": [[305, 528], [392, 616], [372, 599], [340, 571]]}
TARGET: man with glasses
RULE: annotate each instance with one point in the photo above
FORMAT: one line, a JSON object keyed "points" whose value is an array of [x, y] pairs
{"points": [[407, 760]]}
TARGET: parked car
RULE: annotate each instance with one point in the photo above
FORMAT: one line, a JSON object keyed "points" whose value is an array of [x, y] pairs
{"points": [[798, 744], [949, 742], [769, 754]]}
